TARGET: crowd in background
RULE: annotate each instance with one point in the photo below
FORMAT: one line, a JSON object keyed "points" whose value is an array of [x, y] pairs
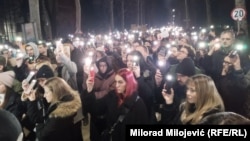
{"points": [[157, 76]]}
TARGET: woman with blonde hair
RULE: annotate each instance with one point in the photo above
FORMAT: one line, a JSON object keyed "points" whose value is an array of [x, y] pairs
{"points": [[202, 99], [60, 119]]}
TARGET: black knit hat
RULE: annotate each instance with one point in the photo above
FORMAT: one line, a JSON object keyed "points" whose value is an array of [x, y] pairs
{"points": [[10, 128], [186, 67], [44, 72]]}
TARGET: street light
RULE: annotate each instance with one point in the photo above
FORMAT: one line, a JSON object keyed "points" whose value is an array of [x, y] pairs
{"points": [[173, 16]]}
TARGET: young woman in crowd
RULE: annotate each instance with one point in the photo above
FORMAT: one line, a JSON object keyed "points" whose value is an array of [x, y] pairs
{"points": [[104, 82], [58, 120], [143, 75], [10, 100], [202, 99], [122, 106]]}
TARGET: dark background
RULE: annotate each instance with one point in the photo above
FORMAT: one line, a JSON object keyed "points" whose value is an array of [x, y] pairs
{"points": [[158, 13], [96, 14]]}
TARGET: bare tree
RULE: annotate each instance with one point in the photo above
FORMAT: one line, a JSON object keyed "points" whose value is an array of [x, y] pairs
{"points": [[122, 14], [111, 15], [187, 19], [208, 9], [46, 23], [78, 17]]}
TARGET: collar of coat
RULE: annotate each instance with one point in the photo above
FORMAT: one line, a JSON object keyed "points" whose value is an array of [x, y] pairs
{"points": [[67, 108]]}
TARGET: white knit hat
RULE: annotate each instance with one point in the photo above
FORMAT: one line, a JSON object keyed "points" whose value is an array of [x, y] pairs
{"points": [[7, 78]]}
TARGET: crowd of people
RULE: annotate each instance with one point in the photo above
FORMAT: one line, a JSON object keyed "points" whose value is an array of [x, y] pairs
{"points": [[165, 76]]}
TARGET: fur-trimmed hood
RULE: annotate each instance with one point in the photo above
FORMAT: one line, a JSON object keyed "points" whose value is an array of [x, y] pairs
{"points": [[67, 108]]}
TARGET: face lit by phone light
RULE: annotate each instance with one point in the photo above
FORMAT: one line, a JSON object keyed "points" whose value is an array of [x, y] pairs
{"points": [[191, 94], [226, 39], [29, 50], [124, 53], [7, 53], [48, 95], [182, 79], [41, 81], [103, 67], [173, 51], [182, 53], [120, 84]]}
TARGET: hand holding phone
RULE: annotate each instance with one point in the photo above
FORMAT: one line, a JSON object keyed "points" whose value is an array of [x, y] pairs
{"points": [[169, 83], [90, 80], [31, 86], [31, 74], [233, 53], [2, 98], [135, 61], [169, 97]]}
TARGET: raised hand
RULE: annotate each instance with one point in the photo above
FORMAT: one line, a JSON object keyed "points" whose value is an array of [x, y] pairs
{"points": [[169, 97]]}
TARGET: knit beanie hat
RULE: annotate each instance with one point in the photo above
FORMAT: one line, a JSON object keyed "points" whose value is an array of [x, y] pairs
{"points": [[186, 67], [3, 60], [7, 78], [10, 128], [44, 72]]}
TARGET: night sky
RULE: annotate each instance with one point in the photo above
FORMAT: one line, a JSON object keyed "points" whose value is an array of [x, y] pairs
{"points": [[96, 16], [158, 12]]}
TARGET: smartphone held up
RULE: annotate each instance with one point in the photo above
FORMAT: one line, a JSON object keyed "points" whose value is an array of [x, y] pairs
{"points": [[32, 86], [135, 60], [169, 81], [233, 53], [92, 74]]}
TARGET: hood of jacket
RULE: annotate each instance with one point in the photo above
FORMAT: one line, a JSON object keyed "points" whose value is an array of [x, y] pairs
{"points": [[35, 49], [67, 108], [109, 71]]}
